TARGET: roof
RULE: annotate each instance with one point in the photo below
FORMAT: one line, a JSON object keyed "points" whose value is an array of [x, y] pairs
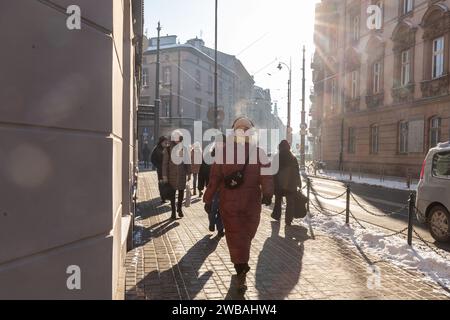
{"points": [[152, 50]]}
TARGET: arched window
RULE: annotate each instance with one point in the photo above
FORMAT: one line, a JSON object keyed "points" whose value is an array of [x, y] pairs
{"points": [[404, 39], [374, 139], [435, 131], [436, 25], [403, 132]]}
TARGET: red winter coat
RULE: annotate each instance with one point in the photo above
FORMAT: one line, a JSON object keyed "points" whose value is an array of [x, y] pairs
{"points": [[240, 209]]}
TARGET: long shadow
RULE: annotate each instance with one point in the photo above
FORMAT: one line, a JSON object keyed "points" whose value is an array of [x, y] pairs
{"points": [[183, 280], [143, 235], [152, 208], [280, 262]]}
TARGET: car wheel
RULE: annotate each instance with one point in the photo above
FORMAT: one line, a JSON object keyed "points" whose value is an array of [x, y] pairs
{"points": [[439, 219]]}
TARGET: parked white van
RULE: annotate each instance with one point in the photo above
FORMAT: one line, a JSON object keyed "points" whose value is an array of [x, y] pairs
{"points": [[433, 192]]}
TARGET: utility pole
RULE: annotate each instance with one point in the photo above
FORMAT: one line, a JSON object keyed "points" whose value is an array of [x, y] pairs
{"points": [[216, 125], [303, 125], [289, 128], [157, 97]]}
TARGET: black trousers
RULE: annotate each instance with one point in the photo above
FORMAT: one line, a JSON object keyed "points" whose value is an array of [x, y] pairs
{"points": [[179, 204], [276, 214]]}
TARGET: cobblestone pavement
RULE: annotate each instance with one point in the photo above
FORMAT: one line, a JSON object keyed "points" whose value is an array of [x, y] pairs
{"points": [[182, 260]]}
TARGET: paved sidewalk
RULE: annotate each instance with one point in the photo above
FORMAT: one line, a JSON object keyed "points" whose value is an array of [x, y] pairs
{"points": [[182, 260]]}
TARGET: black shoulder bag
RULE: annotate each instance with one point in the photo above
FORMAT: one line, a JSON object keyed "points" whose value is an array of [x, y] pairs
{"points": [[236, 179]]}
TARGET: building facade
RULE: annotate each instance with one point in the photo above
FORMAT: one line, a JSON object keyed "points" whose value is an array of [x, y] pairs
{"points": [[67, 136], [187, 87], [381, 92]]}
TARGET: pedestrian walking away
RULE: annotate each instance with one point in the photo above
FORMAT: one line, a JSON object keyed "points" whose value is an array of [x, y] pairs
{"points": [[203, 175], [176, 175], [196, 161], [157, 159], [242, 191], [286, 180], [146, 156]]}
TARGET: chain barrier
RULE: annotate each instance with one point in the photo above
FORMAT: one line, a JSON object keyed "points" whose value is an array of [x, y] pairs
{"points": [[429, 246], [384, 214], [357, 221], [327, 198], [396, 233], [328, 212], [423, 215]]}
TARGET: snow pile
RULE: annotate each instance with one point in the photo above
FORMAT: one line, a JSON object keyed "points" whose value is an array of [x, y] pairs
{"points": [[387, 183], [392, 249]]}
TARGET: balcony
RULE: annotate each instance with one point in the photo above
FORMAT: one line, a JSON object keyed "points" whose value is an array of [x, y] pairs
{"points": [[352, 105], [436, 87], [403, 94], [374, 101]]}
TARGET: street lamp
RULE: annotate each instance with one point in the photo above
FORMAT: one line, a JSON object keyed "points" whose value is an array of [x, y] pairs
{"points": [[288, 127]]}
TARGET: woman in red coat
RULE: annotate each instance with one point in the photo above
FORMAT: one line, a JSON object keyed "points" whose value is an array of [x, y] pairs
{"points": [[240, 208]]}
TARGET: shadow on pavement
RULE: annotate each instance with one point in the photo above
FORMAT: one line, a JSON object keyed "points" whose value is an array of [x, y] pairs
{"points": [[183, 280], [143, 235], [152, 208], [233, 292], [280, 262]]}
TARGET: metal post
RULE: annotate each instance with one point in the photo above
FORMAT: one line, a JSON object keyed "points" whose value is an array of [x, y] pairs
{"points": [[303, 124], [308, 191], [410, 217], [347, 207], [216, 125], [157, 97]]}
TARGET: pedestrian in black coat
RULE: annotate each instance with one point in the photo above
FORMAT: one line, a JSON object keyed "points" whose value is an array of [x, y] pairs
{"points": [[286, 181], [157, 159]]}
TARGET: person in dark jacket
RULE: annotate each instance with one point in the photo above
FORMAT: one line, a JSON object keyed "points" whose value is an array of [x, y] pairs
{"points": [[146, 156], [286, 182], [157, 159], [203, 177], [176, 174], [240, 208]]}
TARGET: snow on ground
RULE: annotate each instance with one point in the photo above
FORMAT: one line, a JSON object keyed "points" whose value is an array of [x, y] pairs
{"points": [[387, 182], [393, 249]]}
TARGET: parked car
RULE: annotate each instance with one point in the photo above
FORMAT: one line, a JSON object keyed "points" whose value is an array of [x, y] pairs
{"points": [[433, 192]]}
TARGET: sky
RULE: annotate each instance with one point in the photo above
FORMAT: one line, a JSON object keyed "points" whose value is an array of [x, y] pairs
{"points": [[261, 33]]}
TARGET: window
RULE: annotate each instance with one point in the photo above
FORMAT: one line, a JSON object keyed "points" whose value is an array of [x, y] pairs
{"points": [[220, 91], [355, 28], [380, 4], [354, 85], [165, 110], [145, 77], [435, 131], [351, 140], [406, 68], [198, 79], [210, 85], [198, 109], [407, 6], [334, 92], [144, 100], [167, 76], [374, 139], [438, 58], [441, 165], [376, 77], [403, 137]]}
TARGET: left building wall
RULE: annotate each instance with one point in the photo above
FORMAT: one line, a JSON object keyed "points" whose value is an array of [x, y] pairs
{"points": [[67, 143]]}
